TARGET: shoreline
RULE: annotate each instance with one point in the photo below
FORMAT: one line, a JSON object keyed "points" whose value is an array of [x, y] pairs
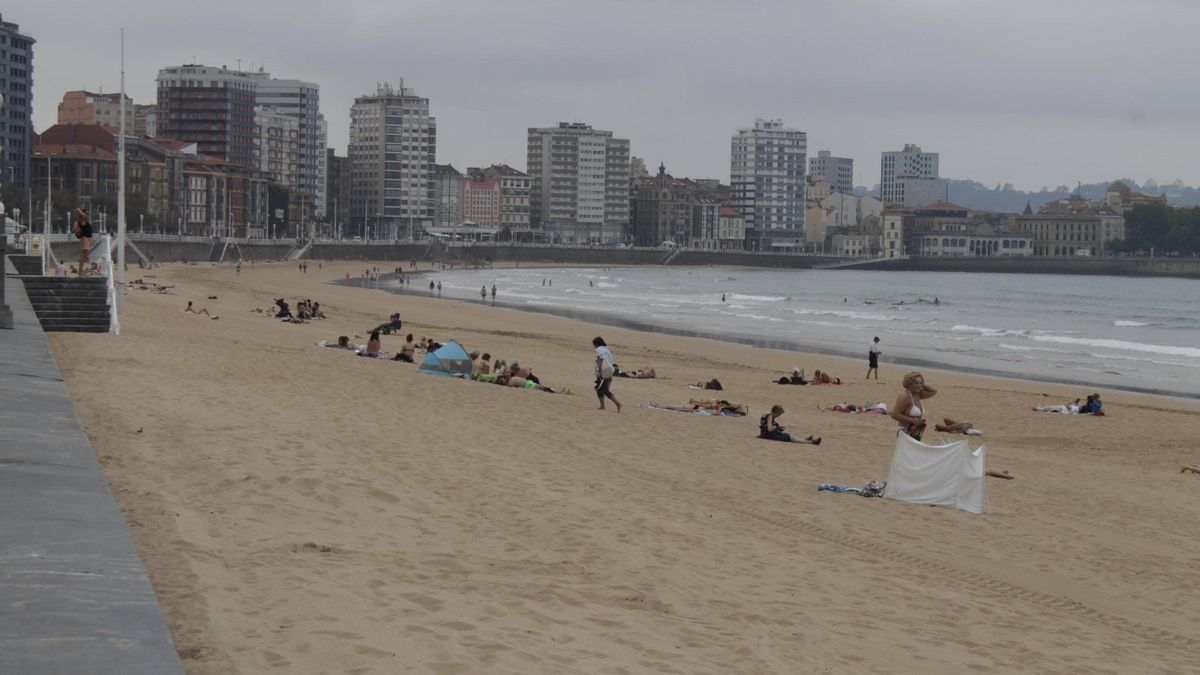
{"points": [[797, 346]]}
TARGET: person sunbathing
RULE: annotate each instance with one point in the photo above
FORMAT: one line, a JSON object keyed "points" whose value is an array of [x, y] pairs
{"points": [[770, 429], [1194, 469], [713, 384], [373, 344], [190, 310], [797, 377], [343, 342], [1064, 409], [646, 373], [878, 408], [1000, 474], [949, 426]]}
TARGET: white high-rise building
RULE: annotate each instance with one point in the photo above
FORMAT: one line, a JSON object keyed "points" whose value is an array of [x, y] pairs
{"points": [[301, 100], [909, 163], [767, 165], [838, 171], [393, 142], [579, 183], [276, 139]]}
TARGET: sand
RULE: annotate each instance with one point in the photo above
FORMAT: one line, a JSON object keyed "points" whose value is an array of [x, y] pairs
{"points": [[303, 510]]}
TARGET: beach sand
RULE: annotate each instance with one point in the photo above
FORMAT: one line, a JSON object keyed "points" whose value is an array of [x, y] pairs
{"points": [[303, 510]]}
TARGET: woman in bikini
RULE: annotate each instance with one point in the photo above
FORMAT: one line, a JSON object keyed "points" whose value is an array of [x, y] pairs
{"points": [[909, 411]]}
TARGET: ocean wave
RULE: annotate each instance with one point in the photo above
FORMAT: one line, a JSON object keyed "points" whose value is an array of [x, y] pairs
{"points": [[1169, 350], [1121, 323], [758, 317], [989, 332], [757, 298], [605, 284]]}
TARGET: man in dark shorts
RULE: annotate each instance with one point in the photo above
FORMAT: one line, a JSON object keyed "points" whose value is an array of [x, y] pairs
{"points": [[82, 229], [873, 353]]}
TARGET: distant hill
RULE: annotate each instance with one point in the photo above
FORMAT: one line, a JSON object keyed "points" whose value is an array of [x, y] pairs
{"points": [[1006, 198]]}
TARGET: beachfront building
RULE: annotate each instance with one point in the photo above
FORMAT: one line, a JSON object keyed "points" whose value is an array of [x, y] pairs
{"points": [[514, 201], [579, 184], [892, 236], [909, 177], [481, 199], [85, 107], [393, 142], [16, 104], [767, 168], [337, 192], [977, 239], [301, 101], [275, 145], [837, 171], [211, 107], [447, 196], [666, 212], [1071, 227]]}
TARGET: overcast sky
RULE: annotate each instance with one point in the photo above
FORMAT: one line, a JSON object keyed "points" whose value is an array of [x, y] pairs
{"points": [[1032, 92]]}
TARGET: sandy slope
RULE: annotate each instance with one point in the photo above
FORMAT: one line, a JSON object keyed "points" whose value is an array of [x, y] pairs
{"points": [[302, 510]]}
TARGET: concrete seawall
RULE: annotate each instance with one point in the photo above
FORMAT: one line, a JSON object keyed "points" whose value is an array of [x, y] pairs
{"points": [[196, 251]]}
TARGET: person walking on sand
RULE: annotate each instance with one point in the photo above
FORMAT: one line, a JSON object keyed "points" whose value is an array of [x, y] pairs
{"points": [[873, 353], [82, 229], [604, 373], [483, 293]]}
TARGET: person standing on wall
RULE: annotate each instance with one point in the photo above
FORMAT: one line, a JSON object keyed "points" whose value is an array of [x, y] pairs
{"points": [[82, 229], [873, 353]]}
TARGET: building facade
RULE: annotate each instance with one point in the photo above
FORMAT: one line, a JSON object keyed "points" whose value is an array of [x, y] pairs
{"points": [[481, 199], [16, 109], [393, 143], [838, 171], [447, 196], [302, 101], [337, 192], [85, 107], [767, 177], [579, 183], [514, 201], [276, 138], [910, 162], [145, 120], [211, 107], [667, 211]]}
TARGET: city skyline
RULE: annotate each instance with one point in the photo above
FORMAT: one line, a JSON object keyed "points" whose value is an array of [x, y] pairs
{"points": [[1005, 92]]}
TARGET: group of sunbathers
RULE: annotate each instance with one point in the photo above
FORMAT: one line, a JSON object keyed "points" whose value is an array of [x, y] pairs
{"points": [[797, 377]]}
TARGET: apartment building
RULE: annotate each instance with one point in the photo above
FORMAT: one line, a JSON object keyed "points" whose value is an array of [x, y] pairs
{"points": [[767, 178], [16, 103], [579, 183]]}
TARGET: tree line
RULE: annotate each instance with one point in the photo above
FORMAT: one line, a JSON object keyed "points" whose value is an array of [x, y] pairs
{"points": [[1163, 228]]}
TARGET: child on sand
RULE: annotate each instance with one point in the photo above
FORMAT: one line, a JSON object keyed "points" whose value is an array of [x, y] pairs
{"points": [[770, 429]]}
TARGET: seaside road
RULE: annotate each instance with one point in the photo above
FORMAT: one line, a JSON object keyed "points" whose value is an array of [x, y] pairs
{"points": [[74, 595]]}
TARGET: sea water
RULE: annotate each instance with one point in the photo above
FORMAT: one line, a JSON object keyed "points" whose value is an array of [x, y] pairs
{"points": [[1141, 334]]}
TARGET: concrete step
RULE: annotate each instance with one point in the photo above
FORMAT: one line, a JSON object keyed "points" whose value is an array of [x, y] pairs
{"points": [[48, 323], [51, 303], [27, 265], [65, 282], [77, 294], [73, 328], [44, 314]]}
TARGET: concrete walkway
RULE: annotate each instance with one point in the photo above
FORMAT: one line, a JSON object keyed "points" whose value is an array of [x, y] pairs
{"points": [[74, 595]]}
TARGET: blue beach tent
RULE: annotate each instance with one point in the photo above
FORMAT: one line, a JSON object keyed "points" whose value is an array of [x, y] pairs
{"points": [[449, 361]]}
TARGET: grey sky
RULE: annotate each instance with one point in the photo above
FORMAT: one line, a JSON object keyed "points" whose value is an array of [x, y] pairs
{"points": [[1032, 92]]}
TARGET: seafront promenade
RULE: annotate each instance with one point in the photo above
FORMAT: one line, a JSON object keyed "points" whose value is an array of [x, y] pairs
{"points": [[165, 248], [75, 594]]}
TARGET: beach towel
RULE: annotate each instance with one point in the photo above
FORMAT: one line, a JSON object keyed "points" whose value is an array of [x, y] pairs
{"points": [[950, 474], [873, 488], [717, 412]]}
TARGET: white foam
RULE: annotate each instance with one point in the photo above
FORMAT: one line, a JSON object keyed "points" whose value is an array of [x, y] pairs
{"points": [[757, 298], [1169, 350], [1129, 324]]}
